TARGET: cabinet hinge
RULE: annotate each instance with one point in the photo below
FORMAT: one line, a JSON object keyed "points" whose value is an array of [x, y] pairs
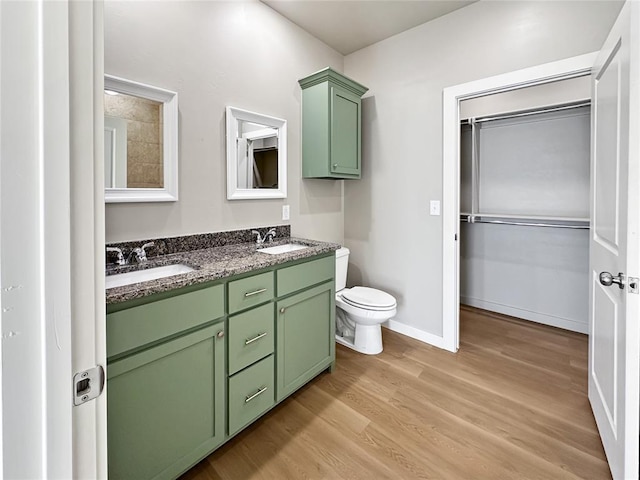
{"points": [[88, 385]]}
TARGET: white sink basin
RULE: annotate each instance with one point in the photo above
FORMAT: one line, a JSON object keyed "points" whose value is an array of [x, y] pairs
{"points": [[286, 248], [137, 276]]}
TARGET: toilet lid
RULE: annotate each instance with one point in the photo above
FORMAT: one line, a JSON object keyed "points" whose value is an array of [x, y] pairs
{"points": [[368, 298]]}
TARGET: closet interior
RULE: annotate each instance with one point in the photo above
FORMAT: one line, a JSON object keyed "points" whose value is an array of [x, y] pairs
{"points": [[524, 203]]}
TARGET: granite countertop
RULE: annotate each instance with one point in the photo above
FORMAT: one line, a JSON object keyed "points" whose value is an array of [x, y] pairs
{"points": [[210, 264]]}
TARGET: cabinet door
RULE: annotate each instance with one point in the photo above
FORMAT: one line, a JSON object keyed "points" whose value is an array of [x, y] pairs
{"points": [[306, 345], [345, 132], [166, 406]]}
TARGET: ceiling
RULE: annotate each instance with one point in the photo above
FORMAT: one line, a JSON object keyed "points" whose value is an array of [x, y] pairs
{"points": [[350, 25]]}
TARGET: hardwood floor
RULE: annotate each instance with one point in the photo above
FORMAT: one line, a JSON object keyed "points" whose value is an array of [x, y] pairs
{"points": [[510, 404]]}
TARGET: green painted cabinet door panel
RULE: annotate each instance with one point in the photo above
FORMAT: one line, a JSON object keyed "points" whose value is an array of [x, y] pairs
{"points": [[306, 345], [166, 406], [250, 291], [303, 275], [251, 336], [251, 393], [345, 132], [135, 327]]}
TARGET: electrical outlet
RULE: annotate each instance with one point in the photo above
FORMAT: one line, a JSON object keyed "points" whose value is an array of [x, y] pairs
{"points": [[285, 212], [434, 208]]}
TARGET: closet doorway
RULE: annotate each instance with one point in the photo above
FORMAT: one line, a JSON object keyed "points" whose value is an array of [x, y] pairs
{"points": [[481, 92], [524, 203]]}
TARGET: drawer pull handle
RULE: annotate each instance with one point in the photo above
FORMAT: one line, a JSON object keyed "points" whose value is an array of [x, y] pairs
{"points": [[251, 340], [249, 294], [251, 397]]}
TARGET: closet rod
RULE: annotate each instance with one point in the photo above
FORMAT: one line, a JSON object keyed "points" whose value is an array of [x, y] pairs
{"points": [[528, 113], [465, 218]]}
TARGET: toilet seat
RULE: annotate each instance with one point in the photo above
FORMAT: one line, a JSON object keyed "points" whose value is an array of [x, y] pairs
{"points": [[368, 299]]}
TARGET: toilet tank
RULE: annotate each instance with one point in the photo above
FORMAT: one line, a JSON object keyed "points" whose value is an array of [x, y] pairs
{"points": [[342, 263]]}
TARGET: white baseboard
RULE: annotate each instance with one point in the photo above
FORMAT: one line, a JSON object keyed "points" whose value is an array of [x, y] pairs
{"points": [[416, 333], [554, 321]]}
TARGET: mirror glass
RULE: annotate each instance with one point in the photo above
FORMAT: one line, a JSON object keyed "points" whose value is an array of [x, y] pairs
{"points": [[256, 155], [132, 141], [140, 142]]}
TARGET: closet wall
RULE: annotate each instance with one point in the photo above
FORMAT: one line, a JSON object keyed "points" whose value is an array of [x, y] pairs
{"points": [[524, 243]]}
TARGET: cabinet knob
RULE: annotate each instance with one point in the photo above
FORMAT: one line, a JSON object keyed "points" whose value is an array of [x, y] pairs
{"points": [[282, 310], [335, 165], [220, 334]]}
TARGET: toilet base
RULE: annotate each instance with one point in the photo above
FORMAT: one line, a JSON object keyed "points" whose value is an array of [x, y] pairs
{"points": [[367, 340]]}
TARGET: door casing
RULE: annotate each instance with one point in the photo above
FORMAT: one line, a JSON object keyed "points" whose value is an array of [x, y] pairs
{"points": [[452, 96]]}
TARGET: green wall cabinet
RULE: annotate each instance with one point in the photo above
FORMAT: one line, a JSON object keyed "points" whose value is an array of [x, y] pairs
{"points": [[331, 125], [188, 369]]}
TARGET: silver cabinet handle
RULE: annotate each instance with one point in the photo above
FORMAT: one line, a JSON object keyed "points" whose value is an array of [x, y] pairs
{"points": [[282, 310], [251, 397], [251, 340], [249, 294], [220, 334]]}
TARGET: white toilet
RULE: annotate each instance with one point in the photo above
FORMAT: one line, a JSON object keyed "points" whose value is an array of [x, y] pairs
{"points": [[360, 311]]}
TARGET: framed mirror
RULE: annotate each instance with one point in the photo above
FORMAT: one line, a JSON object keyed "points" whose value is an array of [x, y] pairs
{"points": [[256, 155], [140, 142]]}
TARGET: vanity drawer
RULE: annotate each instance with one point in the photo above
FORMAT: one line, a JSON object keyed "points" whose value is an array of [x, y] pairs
{"points": [[134, 327], [251, 336], [251, 393], [250, 291], [303, 275]]}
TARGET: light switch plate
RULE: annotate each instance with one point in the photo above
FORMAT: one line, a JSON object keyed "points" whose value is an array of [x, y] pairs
{"points": [[434, 208], [285, 212]]}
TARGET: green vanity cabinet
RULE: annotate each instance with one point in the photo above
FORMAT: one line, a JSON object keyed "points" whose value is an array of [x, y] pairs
{"points": [[188, 369], [331, 125], [166, 406]]}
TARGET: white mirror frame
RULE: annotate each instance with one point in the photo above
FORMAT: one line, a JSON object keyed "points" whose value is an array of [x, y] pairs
{"points": [[169, 193], [235, 193]]}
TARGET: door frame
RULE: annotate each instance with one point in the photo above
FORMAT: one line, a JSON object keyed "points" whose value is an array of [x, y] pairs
{"points": [[452, 96]]}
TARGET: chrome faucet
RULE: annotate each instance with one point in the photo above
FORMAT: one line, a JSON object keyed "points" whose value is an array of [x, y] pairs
{"points": [[138, 254], [120, 257], [270, 235], [260, 239]]}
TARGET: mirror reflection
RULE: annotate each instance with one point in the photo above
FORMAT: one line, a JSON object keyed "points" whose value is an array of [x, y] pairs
{"points": [[133, 143], [257, 155]]}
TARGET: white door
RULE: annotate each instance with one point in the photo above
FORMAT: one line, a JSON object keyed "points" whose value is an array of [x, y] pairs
{"points": [[615, 244]]}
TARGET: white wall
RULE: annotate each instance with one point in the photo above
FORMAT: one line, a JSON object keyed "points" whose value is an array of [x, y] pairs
{"points": [[395, 244], [216, 54]]}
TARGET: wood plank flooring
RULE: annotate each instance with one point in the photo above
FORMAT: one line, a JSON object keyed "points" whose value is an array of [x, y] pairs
{"points": [[511, 404]]}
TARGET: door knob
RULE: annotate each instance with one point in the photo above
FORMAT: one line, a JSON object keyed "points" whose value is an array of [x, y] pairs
{"points": [[607, 279]]}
